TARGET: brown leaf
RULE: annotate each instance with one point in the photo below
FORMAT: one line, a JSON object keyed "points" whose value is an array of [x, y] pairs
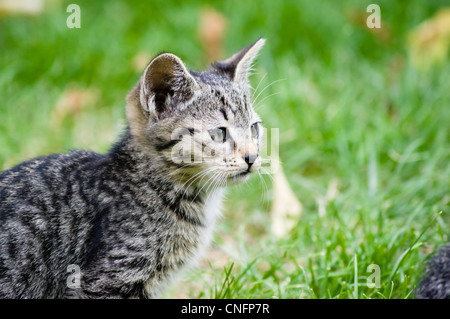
{"points": [[212, 31], [429, 42], [72, 102], [358, 18], [286, 208], [140, 61], [331, 194], [31, 7]]}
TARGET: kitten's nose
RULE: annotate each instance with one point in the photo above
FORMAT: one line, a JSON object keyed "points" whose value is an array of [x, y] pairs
{"points": [[250, 159]]}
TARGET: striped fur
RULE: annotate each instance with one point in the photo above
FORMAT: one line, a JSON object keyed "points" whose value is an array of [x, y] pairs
{"points": [[133, 218]]}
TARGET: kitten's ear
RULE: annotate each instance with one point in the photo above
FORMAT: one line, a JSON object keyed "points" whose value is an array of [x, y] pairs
{"points": [[238, 67], [165, 85]]}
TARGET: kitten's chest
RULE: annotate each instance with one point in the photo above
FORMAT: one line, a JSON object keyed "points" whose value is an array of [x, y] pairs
{"points": [[212, 211], [200, 236], [185, 245]]}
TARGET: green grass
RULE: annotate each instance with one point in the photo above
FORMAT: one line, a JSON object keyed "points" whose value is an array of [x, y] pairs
{"points": [[350, 107]]}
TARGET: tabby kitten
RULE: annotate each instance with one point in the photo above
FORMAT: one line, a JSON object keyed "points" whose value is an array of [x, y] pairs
{"points": [[435, 282], [130, 220]]}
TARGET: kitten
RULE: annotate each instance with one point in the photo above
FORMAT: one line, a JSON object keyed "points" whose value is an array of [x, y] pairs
{"points": [[124, 224], [435, 283]]}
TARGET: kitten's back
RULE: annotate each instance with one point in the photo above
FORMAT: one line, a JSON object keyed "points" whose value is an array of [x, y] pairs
{"points": [[435, 283], [37, 217]]}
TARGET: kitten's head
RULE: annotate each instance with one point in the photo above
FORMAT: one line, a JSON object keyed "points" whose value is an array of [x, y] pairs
{"points": [[201, 125]]}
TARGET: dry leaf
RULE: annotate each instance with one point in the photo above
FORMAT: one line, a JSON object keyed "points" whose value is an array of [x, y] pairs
{"points": [[31, 7], [140, 61], [359, 18], [212, 32], [430, 41], [332, 192], [286, 208], [71, 102]]}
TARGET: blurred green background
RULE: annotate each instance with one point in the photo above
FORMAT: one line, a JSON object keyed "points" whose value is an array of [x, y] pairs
{"points": [[363, 116]]}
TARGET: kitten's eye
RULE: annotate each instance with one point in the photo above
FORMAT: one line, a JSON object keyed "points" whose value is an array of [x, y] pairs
{"points": [[255, 130], [218, 134]]}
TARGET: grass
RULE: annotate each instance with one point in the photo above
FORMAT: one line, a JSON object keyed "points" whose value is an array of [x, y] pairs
{"points": [[351, 109]]}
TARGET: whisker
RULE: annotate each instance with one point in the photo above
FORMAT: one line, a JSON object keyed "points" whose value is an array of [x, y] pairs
{"points": [[215, 184], [259, 83], [213, 176], [201, 176], [265, 98], [194, 178], [179, 168], [267, 86], [217, 176], [222, 182], [267, 173]]}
